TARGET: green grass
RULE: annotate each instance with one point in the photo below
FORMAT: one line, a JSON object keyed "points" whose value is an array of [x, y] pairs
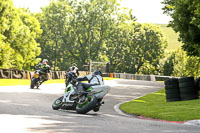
{"points": [[155, 106], [173, 42], [13, 82]]}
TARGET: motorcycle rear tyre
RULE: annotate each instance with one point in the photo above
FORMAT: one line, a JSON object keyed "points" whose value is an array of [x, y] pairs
{"points": [[86, 108], [96, 109], [55, 105], [33, 82]]}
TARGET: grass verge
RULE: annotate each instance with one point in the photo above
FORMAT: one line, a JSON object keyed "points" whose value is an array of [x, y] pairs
{"points": [[13, 82], [155, 106]]}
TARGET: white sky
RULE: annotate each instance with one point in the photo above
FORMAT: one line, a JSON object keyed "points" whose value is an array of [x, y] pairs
{"points": [[33, 5], [146, 11]]}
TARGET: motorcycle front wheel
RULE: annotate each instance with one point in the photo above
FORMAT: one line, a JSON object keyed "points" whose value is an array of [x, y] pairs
{"points": [[57, 104], [89, 104]]}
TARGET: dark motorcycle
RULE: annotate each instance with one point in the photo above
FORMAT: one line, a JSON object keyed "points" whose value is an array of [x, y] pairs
{"points": [[69, 76], [37, 79]]}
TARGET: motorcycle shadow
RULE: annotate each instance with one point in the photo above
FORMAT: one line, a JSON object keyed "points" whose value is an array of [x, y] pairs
{"points": [[34, 88], [91, 113]]}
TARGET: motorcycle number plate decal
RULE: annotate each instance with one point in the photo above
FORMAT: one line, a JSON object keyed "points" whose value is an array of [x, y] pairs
{"points": [[68, 104]]}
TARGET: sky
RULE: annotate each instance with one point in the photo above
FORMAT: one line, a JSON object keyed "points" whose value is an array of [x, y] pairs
{"points": [[146, 11]]}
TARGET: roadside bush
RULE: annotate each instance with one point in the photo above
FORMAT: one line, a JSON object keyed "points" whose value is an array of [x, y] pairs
{"points": [[178, 64]]}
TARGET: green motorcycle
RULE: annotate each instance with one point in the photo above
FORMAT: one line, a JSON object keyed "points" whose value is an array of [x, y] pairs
{"points": [[82, 103]]}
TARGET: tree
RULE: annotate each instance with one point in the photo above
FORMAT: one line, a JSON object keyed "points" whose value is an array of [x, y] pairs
{"points": [[186, 21], [54, 22], [27, 33], [75, 30], [134, 46], [152, 42], [18, 30], [89, 27], [83, 30], [178, 64], [5, 50], [167, 63], [5, 54]]}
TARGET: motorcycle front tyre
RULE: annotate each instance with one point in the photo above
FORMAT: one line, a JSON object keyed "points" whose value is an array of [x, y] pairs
{"points": [[87, 105], [57, 104]]}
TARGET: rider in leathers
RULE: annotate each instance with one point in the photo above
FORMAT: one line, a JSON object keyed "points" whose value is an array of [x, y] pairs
{"points": [[71, 72], [44, 69], [94, 79]]}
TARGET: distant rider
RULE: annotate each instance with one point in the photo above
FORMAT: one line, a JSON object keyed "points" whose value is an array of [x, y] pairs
{"points": [[71, 72], [44, 70]]}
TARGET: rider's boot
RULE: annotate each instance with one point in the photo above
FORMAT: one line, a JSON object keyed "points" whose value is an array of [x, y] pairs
{"points": [[43, 81]]}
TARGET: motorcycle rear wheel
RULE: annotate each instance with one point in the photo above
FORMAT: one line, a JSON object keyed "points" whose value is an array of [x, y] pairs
{"points": [[96, 109], [57, 104], [88, 105], [33, 83]]}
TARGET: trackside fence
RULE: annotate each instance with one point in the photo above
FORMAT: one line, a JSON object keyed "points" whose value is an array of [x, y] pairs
{"points": [[20, 74]]}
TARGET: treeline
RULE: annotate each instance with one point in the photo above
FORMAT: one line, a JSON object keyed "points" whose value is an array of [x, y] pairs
{"points": [[69, 31], [77, 31], [19, 30], [98, 30], [186, 21]]}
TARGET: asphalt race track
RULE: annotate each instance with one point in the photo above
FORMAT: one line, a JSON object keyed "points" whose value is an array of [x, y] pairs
{"points": [[25, 110]]}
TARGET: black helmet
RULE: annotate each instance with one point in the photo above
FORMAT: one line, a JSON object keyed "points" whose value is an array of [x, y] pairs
{"points": [[74, 64], [97, 72]]}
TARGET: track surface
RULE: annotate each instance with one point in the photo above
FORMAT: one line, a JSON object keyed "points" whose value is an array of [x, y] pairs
{"points": [[24, 110]]}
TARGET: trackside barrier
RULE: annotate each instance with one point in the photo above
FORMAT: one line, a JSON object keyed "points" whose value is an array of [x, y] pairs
{"points": [[141, 77], [60, 74], [13, 74], [20, 74], [163, 78]]}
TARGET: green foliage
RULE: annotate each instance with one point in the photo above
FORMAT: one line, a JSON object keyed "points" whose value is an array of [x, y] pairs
{"points": [[180, 61], [75, 31], [5, 54], [5, 50], [147, 68], [80, 31], [89, 27], [167, 63], [18, 32], [186, 21], [186, 66], [135, 46], [54, 21], [178, 64]]}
